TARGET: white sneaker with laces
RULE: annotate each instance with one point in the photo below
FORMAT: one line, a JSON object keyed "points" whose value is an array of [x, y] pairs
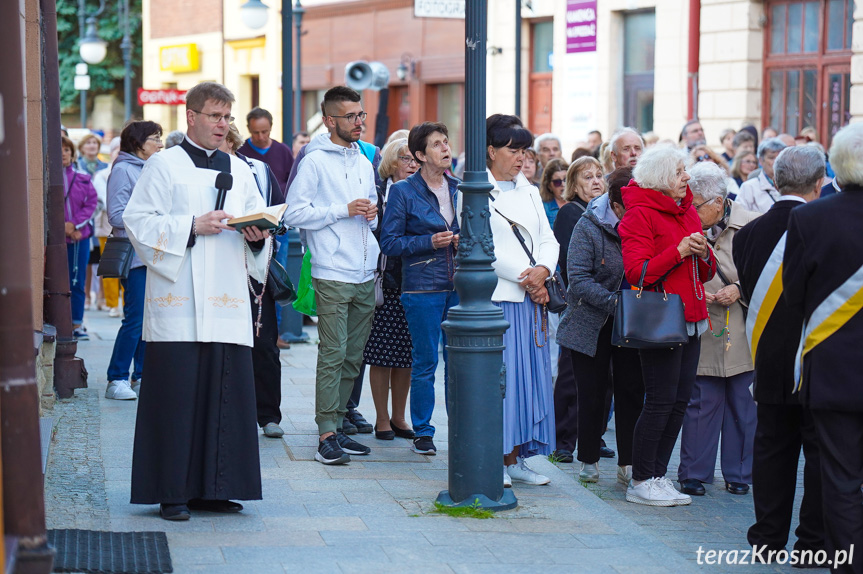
{"points": [[589, 472], [650, 493], [680, 499], [507, 481], [520, 472], [624, 474], [121, 391]]}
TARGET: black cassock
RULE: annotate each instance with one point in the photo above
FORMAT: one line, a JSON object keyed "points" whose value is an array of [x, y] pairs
{"points": [[196, 434]]}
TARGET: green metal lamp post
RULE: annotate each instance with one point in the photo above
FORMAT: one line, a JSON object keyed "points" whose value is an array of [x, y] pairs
{"points": [[475, 327]]}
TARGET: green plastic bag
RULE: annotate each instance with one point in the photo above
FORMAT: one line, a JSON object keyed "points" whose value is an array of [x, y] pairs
{"points": [[305, 302]]}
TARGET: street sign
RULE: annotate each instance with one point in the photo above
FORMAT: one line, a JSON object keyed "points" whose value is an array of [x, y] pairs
{"points": [[439, 9], [166, 97], [82, 83]]}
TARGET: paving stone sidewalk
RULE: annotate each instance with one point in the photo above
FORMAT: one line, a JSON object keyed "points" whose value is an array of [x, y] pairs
{"points": [[375, 514]]}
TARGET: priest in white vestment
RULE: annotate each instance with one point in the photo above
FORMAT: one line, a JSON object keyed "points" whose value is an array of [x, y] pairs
{"points": [[196, 438]]}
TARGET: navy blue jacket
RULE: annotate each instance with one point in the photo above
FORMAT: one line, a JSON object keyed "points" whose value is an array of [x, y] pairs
{"points": [[411, 218]]}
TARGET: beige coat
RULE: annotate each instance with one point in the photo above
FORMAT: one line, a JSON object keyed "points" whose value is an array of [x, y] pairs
{"points": [[715, 361]]}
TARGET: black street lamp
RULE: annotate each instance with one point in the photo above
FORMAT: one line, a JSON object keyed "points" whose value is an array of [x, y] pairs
{"points": [[298, 99], [475, 326]]}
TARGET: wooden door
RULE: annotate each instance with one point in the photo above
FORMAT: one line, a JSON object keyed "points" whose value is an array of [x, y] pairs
{"points": [[539, 100]]}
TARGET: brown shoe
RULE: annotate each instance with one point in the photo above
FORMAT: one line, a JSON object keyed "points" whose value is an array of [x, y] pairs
{"points": [[282, 344]]}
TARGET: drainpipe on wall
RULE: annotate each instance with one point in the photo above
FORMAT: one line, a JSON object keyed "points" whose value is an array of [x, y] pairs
{"points": [[694, 36]]}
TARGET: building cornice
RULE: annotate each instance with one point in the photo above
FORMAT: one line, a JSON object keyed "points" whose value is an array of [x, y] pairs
{"points": [[350, 8]]}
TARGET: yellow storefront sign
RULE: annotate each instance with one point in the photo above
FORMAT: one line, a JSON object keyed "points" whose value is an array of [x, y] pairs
{"points": [[179, 58]]}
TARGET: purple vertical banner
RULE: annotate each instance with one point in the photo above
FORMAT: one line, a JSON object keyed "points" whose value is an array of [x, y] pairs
{"points": [[580, 26]]}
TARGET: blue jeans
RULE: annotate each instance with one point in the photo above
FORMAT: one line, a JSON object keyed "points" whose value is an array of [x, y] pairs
{"points": [[128, 345], [78, 254], [425, 312]]}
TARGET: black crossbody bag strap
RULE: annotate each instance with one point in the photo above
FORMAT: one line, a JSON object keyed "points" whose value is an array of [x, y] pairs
{"points": [[514, 226]]}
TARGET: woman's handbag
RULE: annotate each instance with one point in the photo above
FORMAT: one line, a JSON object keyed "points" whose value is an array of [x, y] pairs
{"points": [[648, 319], [279, 285], [116, 259], [379, 281], [553, 284]]}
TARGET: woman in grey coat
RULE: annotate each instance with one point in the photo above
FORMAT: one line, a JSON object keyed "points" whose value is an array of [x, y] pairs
{"points": [[595, 269]]}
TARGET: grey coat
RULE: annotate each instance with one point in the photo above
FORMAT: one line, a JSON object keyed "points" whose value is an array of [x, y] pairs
{"points": [[595, 268], [124, 175]]}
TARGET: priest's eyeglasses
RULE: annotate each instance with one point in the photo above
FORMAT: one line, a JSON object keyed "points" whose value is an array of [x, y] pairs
{"points": [[216, 118], [352, 118]]}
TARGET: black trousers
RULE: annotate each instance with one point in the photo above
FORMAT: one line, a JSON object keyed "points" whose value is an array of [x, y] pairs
{"points": [[354, 400], [565, 403], [669, 375], [840, 435], [593, 383], [782, 430], [265, 360]]}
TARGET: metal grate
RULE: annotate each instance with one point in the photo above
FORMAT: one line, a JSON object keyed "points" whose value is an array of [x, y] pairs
{"points": [[93, 551]]}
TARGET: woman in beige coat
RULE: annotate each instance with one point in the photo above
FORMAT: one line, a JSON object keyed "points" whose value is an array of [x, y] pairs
{"points": [[721, 402]]}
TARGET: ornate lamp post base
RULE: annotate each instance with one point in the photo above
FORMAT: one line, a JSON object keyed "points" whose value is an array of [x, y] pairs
{"points": [[507, 502]]}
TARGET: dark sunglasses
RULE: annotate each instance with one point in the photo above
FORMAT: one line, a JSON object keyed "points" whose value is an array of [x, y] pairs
{"points": [[704, 157], [558, 182]]}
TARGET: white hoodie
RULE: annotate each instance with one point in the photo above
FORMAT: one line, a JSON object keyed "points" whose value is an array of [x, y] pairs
{"points": [[328, 178]]}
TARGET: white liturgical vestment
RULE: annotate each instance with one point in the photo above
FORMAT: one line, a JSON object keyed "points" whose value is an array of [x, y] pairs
{"points": [[198, 293]]}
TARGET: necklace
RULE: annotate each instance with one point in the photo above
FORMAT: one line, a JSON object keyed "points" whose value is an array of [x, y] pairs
{"points": [[696, 283]]}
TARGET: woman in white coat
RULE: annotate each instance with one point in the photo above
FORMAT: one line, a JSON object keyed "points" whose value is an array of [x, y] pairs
{"points": [[528, 408]]}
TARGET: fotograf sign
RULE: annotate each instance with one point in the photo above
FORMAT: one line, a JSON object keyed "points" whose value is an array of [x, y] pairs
{"points": [[166, 97], [439, 9], [580, 26]]}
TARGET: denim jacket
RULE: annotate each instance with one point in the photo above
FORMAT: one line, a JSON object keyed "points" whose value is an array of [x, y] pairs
{"points": [[411, 218]]}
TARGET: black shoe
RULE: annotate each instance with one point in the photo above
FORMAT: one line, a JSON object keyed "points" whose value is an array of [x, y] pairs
{"points": [[692, 486], [562, 455], [606, 452], [223, 506], [424, 445], [351, 446], [384, 434], [359, 421], [348, 427], [737, 487], [400, 432], [174, 512], [329, 452]]}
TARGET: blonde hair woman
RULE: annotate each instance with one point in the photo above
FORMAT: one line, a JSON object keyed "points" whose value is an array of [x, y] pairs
{"points": [[88, 161]]}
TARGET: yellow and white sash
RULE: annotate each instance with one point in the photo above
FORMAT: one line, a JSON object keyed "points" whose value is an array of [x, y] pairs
{"points": [[767, 291], [836, 310]]}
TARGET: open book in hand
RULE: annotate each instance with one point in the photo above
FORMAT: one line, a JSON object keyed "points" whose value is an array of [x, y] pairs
{"points": [[269, 218]]}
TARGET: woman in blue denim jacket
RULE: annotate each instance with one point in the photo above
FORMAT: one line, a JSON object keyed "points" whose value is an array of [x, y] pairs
{"points": [[419, 225]]}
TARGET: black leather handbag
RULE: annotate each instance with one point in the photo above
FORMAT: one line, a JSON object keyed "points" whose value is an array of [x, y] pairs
{"points": [[116, 259], [648, 319], [279, 285], [553, 284]]}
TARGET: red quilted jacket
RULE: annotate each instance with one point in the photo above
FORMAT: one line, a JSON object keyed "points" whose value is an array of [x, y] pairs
{"points": [[651, 230]]}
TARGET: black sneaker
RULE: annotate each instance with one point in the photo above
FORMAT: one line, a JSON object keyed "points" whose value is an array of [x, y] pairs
{"points": [[351, 446], [424, 445], [348, 427], [329, 452], [359, 421]]}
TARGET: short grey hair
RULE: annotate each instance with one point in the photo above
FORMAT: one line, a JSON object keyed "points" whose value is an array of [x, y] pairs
{"points": [[544, 138], [845, 158], [612, 143], [657, 167], [708, 181], [770, 144], [174, 138], [797, 169]]}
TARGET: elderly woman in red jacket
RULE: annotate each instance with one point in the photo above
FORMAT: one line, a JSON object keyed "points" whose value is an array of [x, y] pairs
{"points": [[662, 228]]}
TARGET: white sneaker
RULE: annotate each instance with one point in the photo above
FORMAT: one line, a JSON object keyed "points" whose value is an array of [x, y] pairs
{"points": [[121, 391], [650, 492], [624, 474], [520, 472], [680, 499], [507, 481], [115, 312], [589, 472], [136, 387]]}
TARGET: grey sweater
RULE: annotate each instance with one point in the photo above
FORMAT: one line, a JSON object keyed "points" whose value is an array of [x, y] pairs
{"points": [[595, 269], [124, 175]]}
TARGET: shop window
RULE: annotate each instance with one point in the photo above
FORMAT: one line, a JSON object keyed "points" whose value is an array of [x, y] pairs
{"points": [[450, 111], [639, 41]]}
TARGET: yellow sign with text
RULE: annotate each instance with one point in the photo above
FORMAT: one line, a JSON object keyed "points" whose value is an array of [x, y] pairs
{"points": [[179, 58]]}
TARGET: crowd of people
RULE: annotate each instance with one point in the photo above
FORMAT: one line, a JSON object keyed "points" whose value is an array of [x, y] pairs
{"points": [[723, 228]]}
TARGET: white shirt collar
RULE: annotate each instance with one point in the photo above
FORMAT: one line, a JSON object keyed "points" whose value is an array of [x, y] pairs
{"points": [[209, 152], [791, 198]]}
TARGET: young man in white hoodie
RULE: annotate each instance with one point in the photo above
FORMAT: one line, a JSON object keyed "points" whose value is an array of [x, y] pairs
{"points": [[334, 201]]}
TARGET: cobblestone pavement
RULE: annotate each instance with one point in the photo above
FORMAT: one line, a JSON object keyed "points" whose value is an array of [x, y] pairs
{"points": [[375, 514]]}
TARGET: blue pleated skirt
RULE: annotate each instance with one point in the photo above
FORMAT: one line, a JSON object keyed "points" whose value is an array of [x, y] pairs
{"points": [[528, 408]]}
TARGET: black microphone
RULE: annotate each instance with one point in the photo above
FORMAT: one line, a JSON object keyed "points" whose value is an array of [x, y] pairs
{"points": [[224, 182]]}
